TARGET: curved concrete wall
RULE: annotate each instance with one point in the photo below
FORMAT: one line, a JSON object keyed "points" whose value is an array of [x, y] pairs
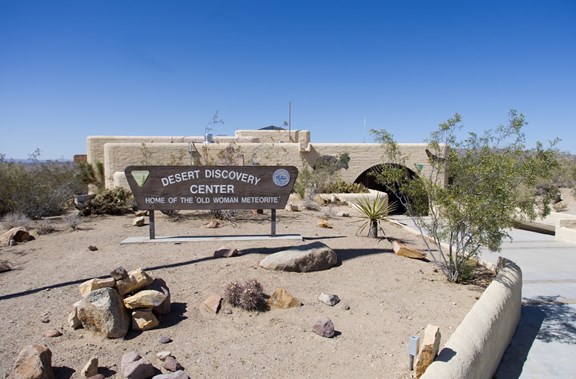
{"points": [[476, 347]]}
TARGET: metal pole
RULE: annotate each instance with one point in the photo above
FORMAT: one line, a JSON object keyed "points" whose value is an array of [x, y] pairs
{"points": [[151, 226], [273, 223]]}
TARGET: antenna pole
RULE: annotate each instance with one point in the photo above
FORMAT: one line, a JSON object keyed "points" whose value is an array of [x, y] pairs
{"points": [[290, 120]]}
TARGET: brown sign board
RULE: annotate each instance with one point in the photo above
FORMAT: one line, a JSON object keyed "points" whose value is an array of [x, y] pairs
{"points": [[211, 187]]}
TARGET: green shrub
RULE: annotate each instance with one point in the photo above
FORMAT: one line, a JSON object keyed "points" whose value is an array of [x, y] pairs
{"points": [[117, 201], [341, 186], [37, 190]]}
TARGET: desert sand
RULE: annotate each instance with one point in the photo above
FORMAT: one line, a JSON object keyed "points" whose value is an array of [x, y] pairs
{"points": [[385, 298]]}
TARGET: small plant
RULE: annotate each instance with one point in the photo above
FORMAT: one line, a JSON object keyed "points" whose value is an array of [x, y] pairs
{"points": [[91, 174], [373, 210], [247, 295], [225, 215], [45, 227], [72, 220], [15, 220]]}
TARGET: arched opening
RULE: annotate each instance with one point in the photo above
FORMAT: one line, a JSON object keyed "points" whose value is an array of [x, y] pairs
{"points": [[369, 180]]}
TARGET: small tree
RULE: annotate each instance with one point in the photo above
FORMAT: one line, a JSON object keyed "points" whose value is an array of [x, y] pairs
{"points": [[492, 185]]}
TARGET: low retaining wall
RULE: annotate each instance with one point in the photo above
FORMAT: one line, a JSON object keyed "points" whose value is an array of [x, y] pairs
{"points": [[476, 347]]}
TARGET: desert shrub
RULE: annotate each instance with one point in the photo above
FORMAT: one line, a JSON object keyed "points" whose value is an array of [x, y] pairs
{"points": [[38, 189], [247, 295], [225, 215], [341, 186], [117, 201], [72, 220], [45, 227], [89, 174], [15, 220]]}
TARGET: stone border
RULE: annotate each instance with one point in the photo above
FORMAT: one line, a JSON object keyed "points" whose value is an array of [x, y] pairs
{"points": [[476, 347]]}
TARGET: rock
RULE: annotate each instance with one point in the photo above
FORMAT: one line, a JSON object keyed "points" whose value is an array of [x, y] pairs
{"points": [[144, 319], [164, 339], [160, 286], [119, 273], [323, 223], [291, 207], [306, 258], [45, 319], [212, 224], [324, 327], [93, 248], [212, 303], [102, 311], [173, 375], [282, 299], [33, 362], [136, 280], [52, 333], [73, 320], [139, 221], [429, 346], [17, 234], [133, 366], [162, 355], [144, 299], [329, 299], [171, 364], [94, 284], [141, 213], [5, 266], [91, 368], [343, 214], [225, 252], [405, 251]]}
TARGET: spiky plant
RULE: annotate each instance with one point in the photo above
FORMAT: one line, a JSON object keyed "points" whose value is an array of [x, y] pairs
{"points": [[373, 210], [232, 293]]}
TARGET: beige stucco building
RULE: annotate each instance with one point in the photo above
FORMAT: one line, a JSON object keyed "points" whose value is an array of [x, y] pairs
{"points": [[246, 147]]}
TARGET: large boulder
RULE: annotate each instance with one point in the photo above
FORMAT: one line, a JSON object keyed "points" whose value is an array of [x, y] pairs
{"points": [[33, 362], [102, 311], [428, 349], [17, 235], [306, 258], [134, 366]]}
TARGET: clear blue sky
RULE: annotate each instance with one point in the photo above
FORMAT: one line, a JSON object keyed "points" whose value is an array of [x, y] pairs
{"points": [[70, 69]]}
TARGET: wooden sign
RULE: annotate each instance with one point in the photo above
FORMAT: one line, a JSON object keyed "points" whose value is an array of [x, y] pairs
{"points": [[211, 187]]}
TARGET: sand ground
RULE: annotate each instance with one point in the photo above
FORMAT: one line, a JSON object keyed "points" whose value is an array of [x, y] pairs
{"points": [[384, 298]]}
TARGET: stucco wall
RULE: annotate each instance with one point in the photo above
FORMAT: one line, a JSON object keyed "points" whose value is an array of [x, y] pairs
{"points": [[246, 147], [476, 347]]}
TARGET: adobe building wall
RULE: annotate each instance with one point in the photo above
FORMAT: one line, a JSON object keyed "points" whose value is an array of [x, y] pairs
{"points": [[246, 147]]}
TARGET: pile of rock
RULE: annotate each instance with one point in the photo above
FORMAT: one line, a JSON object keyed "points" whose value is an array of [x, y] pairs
{"points": [[35, 361], [110, 306]]}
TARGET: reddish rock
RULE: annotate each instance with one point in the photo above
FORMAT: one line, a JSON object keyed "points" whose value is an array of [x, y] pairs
{"points": [[171, 364], [52, 333], [225, 252], [33, 362], [324, 327], [212, 303]]}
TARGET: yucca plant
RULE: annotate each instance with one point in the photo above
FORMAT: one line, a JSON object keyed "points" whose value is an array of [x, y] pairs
{"points": [[373, 210]]}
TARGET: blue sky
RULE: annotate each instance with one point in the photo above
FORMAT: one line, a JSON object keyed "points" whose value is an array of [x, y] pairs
{"points": [[70, 69]]}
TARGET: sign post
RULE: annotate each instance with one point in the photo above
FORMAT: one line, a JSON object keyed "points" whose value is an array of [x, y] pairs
{"points": [[211, 188]]}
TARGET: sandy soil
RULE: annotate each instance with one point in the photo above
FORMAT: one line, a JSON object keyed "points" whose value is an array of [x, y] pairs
{"points": [[385, 299]]}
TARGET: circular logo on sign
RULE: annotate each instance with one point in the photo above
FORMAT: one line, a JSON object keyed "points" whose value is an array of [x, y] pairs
{"points": [[281, 177]]}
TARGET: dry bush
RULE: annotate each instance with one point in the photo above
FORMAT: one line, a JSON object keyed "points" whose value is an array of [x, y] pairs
{"points": [[16, 220]]}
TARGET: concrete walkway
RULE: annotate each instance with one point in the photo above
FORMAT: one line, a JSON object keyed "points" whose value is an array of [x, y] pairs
{"points": [[544, 345]]}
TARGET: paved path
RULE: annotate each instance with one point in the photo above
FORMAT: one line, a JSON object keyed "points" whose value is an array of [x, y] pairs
{"points": [[544, 345]]}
